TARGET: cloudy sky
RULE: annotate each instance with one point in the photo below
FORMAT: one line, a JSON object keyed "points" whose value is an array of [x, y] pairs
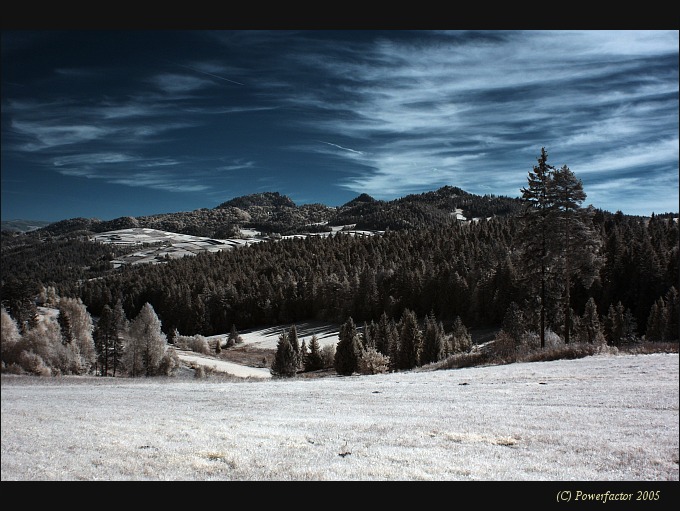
{"points": [[105, 123]]}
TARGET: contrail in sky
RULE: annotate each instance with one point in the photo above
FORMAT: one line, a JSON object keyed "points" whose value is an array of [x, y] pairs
{"points": [[340, 147], [206, 73]]}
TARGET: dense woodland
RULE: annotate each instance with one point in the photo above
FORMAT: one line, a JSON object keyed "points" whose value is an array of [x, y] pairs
{"points": [[542, 263]]}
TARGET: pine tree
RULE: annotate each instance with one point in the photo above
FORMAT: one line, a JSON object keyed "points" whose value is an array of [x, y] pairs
{"points": [[673, 312], [367, 337], [234, 337], [657, 322], [348, 349], [120, 327], [514, 322], [410, 341], [295, 344], [104, 335], [432, 340], [461, 338], [313, 360], [537, 232], [620, 325], [574, 240], [303, 354], [285, 359], [64, 320], [590, 324], [18, 296], [383, 337]]}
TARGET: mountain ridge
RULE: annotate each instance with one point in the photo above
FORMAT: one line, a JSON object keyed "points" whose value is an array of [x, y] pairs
{"points": [[273, 212]]}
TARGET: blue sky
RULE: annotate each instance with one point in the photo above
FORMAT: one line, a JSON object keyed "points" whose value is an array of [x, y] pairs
{"points": [[106, 123]]}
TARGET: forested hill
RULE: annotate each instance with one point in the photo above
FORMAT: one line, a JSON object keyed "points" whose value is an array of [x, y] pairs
{"points": [[272, 212]]}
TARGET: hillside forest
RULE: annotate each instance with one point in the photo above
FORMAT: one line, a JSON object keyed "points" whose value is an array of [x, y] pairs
{"points": [[540, 270]]}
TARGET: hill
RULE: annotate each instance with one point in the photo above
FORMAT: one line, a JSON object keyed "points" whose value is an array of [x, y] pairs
{"points": [[271, 212], [23, 225]]}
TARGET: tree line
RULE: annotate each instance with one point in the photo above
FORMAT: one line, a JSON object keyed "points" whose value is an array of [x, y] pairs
{"points": [[552, 268], [68, 342]]}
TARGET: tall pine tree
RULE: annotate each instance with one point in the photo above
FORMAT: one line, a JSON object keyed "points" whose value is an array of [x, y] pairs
{"points": [[537, 233], [575, 241]]}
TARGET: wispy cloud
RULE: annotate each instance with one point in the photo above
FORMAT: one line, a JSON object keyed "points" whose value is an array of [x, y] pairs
{"points": [[209, 69], [180, 83], [382, 112], [464, 104]]}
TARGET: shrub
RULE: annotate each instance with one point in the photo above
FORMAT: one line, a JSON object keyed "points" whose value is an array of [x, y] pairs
{"points": [[373, 362], [327, 356], [199, 344], [503, 347], [169, 363], [33, 364], [199, 372], [459, 360], [12, 368]]}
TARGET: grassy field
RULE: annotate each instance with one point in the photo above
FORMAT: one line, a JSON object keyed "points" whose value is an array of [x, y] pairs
{"points": [[599, 418]]}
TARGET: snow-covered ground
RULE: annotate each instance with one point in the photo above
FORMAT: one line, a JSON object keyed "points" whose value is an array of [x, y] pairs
{"points": [[224, 366], [172, 245], [262, 338], [601, 418], [267, 338]]}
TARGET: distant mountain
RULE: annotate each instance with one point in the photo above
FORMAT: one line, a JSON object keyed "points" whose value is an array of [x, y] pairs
{"points": [[271, 212], [272, 200], [364, 198], [23, 225]]}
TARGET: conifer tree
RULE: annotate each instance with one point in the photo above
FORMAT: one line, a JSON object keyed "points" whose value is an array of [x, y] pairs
{"points": [[410, 341], [348, 349], [620, 325], [313, 360], [432, 340], [574, 239], [120, 327], [295, 344], [514, 322], [64, 320], [18, 296], [672, 302], [461, 338], [234, 337], [285, 359], [383, 337], [537, 233], [367, 337], [591, 327], [104, 335], [303, 354]]}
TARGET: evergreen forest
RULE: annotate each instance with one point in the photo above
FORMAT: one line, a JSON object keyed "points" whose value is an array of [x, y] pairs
{"points": [[544, 264]]}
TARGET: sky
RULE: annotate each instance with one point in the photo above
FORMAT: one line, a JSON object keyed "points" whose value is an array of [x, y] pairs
{"points": [[110, 123]]}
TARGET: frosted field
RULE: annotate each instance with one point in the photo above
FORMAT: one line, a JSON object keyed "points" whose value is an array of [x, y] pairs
{"points": [[602, 418]]}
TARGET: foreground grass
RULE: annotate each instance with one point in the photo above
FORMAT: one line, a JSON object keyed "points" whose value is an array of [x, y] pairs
{"points": [[598, 418]]}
